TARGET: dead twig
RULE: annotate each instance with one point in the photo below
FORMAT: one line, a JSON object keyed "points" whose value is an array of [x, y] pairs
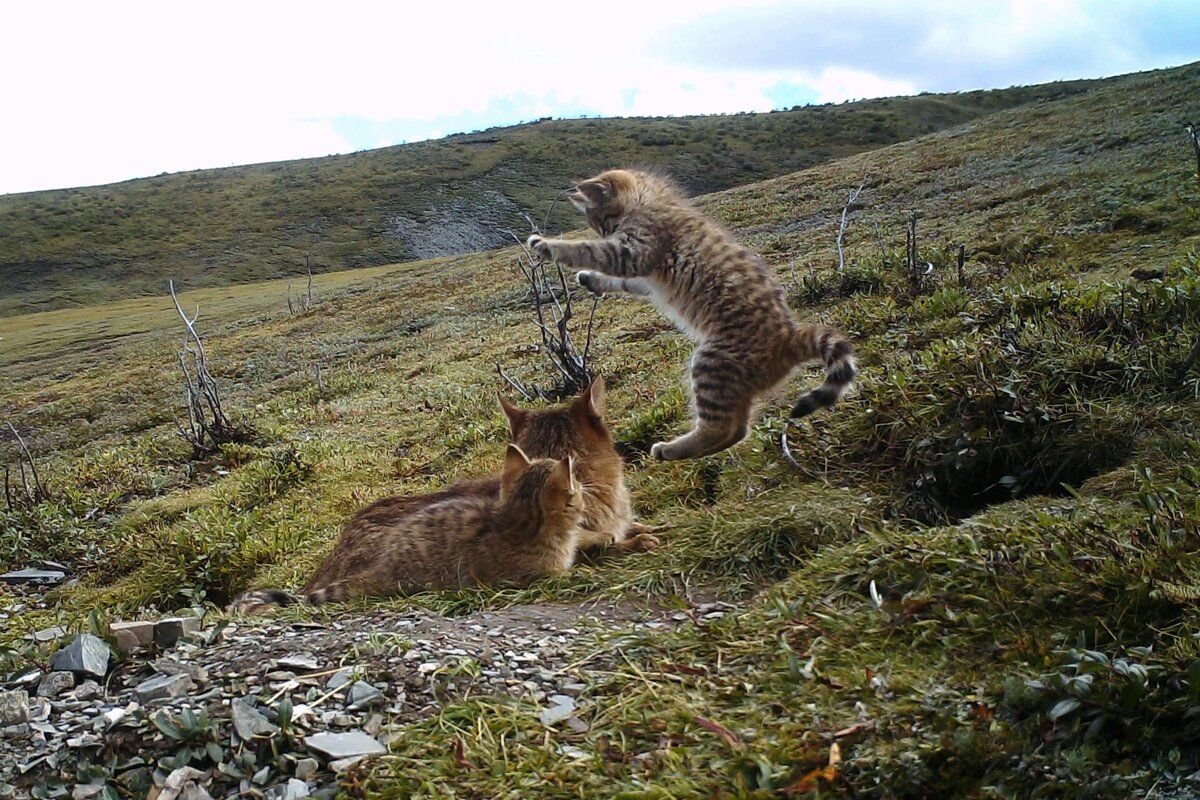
{"points": [[1194, 136], [850, 201], [208, 425], [31, 495]]}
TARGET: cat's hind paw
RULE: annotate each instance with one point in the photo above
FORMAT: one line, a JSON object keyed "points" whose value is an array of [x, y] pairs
{"points": [[587, 279], [643, 542]]}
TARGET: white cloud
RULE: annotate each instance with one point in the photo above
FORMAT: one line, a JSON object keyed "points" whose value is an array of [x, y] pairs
{"points": [[105, 91]]}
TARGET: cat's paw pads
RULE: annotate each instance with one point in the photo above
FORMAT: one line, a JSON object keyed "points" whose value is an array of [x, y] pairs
{"points": [[659, 451], [587, 279], [538, 245]]}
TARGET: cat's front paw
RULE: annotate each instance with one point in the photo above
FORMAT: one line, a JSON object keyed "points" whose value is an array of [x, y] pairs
{"points": [[658, 451], [539, 246], [587, 279]]}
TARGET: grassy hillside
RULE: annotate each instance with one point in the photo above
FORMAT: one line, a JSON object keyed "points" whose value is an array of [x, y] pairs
{"points": [[218, 227], [979, 582]]}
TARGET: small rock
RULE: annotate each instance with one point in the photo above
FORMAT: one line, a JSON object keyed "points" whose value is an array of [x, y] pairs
{"points": [[294, 789], [48, 634], [363, 695], [301, 662], [344, 764], [87, 655], [26, 679], [14, 707], [42, 576], [169, 666], [572, 689], [340, 678], [338, 746], [249, 722], [577, 725], [161, 687], [562, 708], [170, 630], [88, 690], [55, 683], [84, 791], [132, 635], [21, 729], [306, 768]]}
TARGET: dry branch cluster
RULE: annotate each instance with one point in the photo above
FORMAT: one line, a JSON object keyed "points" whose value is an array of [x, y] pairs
{"points": [[31, 490], [208, 426], [554, 309]]}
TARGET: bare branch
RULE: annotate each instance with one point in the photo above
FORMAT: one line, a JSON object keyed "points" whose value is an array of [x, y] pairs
{"points": [[787, 451], [853, 197]]}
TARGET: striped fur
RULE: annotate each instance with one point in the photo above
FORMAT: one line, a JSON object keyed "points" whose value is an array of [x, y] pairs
{"points": [[654, 243]]}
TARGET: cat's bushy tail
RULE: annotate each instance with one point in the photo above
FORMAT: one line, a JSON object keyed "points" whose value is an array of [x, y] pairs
{"points": [[817, 342], [263, 599]]}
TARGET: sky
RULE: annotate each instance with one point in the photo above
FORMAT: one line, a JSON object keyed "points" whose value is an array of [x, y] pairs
{"points": [[98, 92]]}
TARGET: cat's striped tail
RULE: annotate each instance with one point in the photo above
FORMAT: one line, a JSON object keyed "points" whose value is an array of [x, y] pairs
{"points": [[261, 600], [258, 601], [817, 342]]}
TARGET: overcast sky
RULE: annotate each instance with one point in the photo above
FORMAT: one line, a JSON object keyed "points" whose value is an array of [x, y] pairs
{"points": [[95, 92]]}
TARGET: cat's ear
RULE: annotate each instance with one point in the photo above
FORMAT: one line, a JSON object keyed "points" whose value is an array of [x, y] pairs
{"points": [[515, 463], [590, 402], [596, 190], [562, 477], [516, 416]]}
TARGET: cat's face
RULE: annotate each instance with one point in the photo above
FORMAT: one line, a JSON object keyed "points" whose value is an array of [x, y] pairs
{"points": [[605, 198], [548, 482], [575, 430]]}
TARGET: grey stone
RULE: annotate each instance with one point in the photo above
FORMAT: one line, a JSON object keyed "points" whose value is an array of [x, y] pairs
{"points": [[572, 689], [44, 576], [340, 678], [162, 687], [27, 679], [87, 655], [338, 746], [306, 768], [55, 683], [14, 707], [88, 690], [169, 666], [132, 635], [294, 789], [341, 765], [248, 721], [363, 695], [299, 663], [561, 708], [170, 630], [48, 634], [21, 729]]}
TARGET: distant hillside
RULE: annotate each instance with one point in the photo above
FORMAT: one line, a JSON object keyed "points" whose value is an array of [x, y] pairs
{"points": [[217, 227]]}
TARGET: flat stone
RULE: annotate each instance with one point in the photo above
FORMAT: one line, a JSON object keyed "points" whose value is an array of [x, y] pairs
{"points": [[363, 695], [572, 689], [87, 655], [48, 634], [14, 707], [53, 684], [337, 746], [306, 768], [299, 663], [132, 635], [169, 666], [26, 679], [170, 630], [561, 708], [249, 722], [162, 687], [345, 764], [43, 576]]}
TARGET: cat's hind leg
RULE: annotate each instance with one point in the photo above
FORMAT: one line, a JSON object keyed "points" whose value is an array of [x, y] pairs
{"points": [[722, 403]]}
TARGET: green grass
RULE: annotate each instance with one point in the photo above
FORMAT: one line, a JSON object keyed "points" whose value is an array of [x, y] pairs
{"points": [[1007, 503], [76, 247]]}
